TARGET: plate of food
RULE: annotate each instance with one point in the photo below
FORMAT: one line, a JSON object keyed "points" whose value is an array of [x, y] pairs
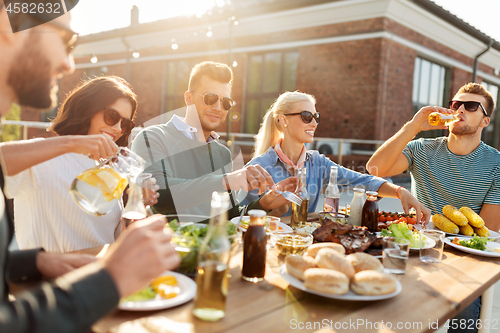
{"points": [[166, 291], [463, 222], [349, 296], [306, 228], [475, 245], [401, 230], [271, 223]]}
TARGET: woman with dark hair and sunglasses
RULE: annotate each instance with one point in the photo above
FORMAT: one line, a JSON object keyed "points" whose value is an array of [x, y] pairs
{"points": [[45, 214], [280, 149]]}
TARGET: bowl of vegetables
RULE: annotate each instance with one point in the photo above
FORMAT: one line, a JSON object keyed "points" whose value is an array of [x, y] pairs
{"points": [[188, 238]]}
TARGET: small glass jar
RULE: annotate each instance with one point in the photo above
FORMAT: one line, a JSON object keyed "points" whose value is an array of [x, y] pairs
{"points": [[369, 216], [254, 248]]}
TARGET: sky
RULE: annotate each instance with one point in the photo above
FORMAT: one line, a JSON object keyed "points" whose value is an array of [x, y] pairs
{"points": [[92, 16]]}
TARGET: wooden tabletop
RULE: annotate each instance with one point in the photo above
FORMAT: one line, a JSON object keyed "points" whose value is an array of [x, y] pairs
{"points": [[432, 293]]}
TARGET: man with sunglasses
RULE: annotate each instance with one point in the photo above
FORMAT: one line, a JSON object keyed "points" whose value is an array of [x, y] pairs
{"points": [[187, 160], [458, 170], [84, 289]]}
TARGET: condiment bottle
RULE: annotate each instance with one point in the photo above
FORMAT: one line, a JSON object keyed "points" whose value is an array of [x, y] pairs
{"points": [[135, 209], [299, 213], [254, 248], [332, 193], [441, 119], [369, 216], [358, 200], [212, 280]]}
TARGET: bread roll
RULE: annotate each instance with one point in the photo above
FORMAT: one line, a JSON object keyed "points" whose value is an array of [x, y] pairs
{"points": [[364, 262], [373, 283], [312, 250], [297, 265], [326, 280], [331, 259]]}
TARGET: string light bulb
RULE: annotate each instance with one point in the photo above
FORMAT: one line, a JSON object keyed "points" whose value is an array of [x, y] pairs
{"points": [[136, 54], [235, 63], [93, 59], [175, 46], [209, 33]]}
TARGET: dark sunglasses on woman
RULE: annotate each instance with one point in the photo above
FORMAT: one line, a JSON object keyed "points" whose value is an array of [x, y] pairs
{"points": [[468, 105], [307, 116], [112, 117], [211, 98]]}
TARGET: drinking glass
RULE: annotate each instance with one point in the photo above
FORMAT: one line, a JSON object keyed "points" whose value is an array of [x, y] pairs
{"points": [[431, 246], [395, 255], [147, 183]]}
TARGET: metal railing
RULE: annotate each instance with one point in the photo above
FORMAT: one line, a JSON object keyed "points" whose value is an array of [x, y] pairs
{"points": [[241, 139]]}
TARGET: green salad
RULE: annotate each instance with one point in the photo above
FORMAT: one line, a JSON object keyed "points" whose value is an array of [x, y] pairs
{"points": [[476, 242], [400, 230], [189, 238], [142, 295]]}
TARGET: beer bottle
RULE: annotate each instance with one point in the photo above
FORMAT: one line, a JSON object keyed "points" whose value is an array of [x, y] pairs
{"points": [[212, 280]]}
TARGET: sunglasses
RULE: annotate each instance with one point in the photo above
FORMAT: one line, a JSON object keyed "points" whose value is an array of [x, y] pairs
{"points": [[469, 106], [211, 98], [112, 117], [307, 116]]}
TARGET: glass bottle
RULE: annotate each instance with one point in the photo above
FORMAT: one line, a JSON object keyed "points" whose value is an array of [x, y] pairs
{"points": [[255, 248], [212, 280], [369, 216], [135, 209], [332, 193], [357, 203], [299, 213], [441, 119]]}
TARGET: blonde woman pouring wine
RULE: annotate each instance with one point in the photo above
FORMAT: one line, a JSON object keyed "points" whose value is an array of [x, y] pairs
{"points": [[280, 148]]}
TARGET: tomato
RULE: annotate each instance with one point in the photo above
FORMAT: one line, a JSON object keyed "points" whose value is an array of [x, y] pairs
{"points": [[388, 218], [402, 219], [412, 220], [382, 218]]}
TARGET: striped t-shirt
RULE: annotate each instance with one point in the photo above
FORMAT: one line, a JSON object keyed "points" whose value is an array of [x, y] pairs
{"points": [[439, 177]]}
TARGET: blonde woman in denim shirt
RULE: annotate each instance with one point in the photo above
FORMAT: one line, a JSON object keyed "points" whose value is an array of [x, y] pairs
{"points": [[288, 125]]}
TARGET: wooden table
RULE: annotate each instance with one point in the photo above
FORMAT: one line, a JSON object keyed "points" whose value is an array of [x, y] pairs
{"points": [[432, 293]]}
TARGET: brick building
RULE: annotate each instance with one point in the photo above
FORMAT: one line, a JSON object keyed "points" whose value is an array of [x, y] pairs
{"points": [[370, 63]]}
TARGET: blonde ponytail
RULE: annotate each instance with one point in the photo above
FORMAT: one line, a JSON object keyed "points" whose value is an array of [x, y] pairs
{"points": [[270, 130]]}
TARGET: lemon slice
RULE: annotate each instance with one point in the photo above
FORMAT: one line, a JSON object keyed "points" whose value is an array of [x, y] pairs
{"points": [[105, 179]]}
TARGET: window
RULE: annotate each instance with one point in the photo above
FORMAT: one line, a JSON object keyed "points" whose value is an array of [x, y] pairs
{"points": [[176, 79], [269, 74], [490, 134], [430, 82]]}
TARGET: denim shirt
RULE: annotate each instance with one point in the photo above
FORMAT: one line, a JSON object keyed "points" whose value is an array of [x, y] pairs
{"points": [[317, 175]]}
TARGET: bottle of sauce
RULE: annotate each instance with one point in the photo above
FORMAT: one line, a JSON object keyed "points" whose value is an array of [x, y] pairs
{"points": [[135, 209], [441, 119], [357, 204], [212, 280], [299, 212], [369, 216], [332, 193], [254, 248]]}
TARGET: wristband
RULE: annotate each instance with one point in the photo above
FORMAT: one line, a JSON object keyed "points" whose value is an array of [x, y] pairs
{"points": [[397, 192]]}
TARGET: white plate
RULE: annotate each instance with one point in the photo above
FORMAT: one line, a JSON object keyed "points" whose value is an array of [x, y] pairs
{"points": [[350, 296], [188, 291], [449, 240], [431, 225], [428, 243], [285, 228]]}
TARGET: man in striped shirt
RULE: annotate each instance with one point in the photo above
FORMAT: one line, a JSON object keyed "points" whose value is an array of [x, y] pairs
{"points": [[459, 169]]}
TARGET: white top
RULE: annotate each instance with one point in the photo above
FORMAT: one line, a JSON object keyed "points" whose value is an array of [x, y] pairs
{"points": [[46, 216], [190, 131]]}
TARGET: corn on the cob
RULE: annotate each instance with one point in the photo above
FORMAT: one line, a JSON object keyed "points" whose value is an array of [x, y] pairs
{"points": [[474, 220], [455, 215], [466, 230], [444, 224], [483, 231]]}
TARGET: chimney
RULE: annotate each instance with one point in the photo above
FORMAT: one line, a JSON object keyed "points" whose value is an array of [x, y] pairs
{"points": [[134, 15]]}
